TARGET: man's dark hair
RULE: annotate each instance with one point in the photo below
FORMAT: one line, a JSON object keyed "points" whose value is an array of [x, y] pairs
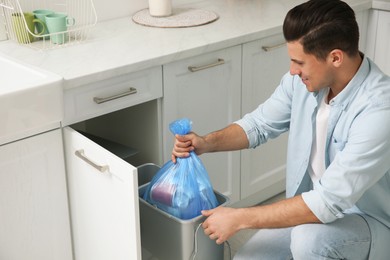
{"points": [[322, 26]]}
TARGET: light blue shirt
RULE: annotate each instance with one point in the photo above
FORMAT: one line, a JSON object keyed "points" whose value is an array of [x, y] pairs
{"points": [[357, 155]]}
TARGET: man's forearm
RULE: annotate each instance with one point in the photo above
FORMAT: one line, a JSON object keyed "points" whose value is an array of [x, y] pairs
{"points": [[230, 138], [223, 222], [285, 213]]}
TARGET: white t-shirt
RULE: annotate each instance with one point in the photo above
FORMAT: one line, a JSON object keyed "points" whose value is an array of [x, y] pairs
{"points": [[317, 157]]}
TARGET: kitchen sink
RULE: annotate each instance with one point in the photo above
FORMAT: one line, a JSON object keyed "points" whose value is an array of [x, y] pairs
{"points": [[30, 100]]}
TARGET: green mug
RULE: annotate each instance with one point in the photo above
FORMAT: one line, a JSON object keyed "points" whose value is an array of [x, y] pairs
{"points": [[57, 24], [24, 27], [41, 15]]}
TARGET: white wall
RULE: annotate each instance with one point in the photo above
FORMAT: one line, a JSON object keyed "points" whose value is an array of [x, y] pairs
{"points": [[111, 9]]}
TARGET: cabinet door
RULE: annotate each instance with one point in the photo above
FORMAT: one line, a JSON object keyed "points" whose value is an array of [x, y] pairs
{"points": [[263, 169], [209, 96], [362, 18], [382, 45], [34, 216], [103, 194]]}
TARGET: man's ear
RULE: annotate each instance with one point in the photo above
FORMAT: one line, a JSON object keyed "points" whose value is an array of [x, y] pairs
{"points": [[336, 57]]}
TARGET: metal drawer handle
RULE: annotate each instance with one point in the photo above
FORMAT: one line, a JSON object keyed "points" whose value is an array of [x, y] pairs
{"points": [[81, 155], [197, 68], [270, 48], [99, 100]]}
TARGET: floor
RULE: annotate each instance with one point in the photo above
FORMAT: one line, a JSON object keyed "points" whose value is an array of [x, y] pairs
{"points": [[241, 237]]}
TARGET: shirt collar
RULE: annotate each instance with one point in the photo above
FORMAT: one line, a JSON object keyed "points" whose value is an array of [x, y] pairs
{"points": [[343, 98]]}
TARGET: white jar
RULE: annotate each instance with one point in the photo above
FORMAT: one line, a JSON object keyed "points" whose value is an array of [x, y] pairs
{"points": [[160, 8]]}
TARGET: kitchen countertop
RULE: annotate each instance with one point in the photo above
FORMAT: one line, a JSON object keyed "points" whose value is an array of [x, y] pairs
{"points": [[120, 46]]}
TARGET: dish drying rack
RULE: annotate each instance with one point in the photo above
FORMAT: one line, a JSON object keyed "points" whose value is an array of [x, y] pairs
{"points": [[82, 11]]}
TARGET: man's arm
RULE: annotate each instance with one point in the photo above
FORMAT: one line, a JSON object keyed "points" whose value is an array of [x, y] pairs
{"points": [[223, 222], [230, 138]]}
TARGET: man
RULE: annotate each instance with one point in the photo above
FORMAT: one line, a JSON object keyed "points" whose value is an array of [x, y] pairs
{"points": [[335, 103]]}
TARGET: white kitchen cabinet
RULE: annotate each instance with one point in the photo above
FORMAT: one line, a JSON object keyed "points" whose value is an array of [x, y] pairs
{"points": [[265, 61], [207, 90], [362, 18], [380, 39], [105, 96], [103, 146], [34, 216], [104, 201]]}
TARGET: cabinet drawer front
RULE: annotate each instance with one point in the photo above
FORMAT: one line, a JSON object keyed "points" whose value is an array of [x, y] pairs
{"points": [[206, 89], [265, 61], [103, 199], [34, 205], [113, 94]]}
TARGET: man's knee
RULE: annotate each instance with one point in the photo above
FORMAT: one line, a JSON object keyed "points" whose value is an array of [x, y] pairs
{"points": [[345, 238], [305, 241]]}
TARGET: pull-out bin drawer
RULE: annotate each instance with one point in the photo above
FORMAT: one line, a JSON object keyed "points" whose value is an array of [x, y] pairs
{"points": [[165, 237]]}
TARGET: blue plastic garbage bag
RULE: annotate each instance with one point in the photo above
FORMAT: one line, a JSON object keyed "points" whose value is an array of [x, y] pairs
{"points": [[182, 189]]}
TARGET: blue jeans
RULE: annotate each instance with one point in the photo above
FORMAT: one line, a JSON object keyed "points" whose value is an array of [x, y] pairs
{"points": [[345, 238]]}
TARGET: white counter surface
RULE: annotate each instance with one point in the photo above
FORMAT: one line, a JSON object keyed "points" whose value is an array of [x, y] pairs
{"points": [[120, 46]]}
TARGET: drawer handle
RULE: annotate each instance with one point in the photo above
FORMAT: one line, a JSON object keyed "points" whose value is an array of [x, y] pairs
{"points": [[99, 100], [197, 68], [271, 48], [81, 155]]}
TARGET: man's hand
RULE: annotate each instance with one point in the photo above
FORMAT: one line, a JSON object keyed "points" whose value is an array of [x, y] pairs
{"points": [[221, 223], [184, 144], [182, 147]]}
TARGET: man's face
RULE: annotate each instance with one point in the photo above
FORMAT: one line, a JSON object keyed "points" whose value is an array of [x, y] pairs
{"points": [[315, 74]]}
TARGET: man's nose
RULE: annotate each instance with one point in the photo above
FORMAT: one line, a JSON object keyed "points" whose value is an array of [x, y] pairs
{"points": [[294, 70]]}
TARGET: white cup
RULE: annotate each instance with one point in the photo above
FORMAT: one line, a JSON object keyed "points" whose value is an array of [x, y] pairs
{"points": [[160, 8]]}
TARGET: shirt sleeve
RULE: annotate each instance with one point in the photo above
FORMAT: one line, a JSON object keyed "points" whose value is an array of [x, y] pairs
{"points": [[271, 118], [319, 207]]}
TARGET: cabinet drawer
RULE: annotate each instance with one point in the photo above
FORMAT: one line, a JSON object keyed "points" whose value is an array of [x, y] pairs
{"points": [[103, 199], [113, 94], [213, 83]]}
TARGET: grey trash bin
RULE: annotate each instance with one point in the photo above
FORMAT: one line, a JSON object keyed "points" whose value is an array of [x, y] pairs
{"points": [[165, 237]]}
